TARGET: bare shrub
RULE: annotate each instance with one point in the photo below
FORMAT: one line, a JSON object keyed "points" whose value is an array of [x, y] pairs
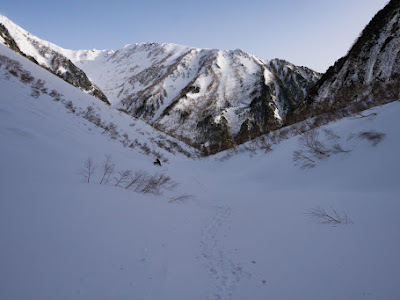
{"points": [[39, 85], [112, 130], [35, 93], [303, 160], [251, 146], [283, 134], [155, 183], [299, 128], [264, 143], [337, 148], [330, 216], [70, 106], [144, 183], [26, 77], [136, 179], [55, 95], [372, 136], [123, 177], [180, 198], [87, 170], [146, 149], [313, 145], [331, 135], [126, 141], [107, 169], [274, 138], [89, 113]]}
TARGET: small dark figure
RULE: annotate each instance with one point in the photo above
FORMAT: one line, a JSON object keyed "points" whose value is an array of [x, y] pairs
{"points": [[157, 162]]}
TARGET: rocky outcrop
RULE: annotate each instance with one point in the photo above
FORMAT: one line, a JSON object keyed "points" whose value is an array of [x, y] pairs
{"points": [[371, 63]]}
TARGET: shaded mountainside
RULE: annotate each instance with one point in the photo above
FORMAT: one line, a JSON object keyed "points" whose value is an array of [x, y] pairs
{"points": [[47, 56], [211, 99], [372, 65]]}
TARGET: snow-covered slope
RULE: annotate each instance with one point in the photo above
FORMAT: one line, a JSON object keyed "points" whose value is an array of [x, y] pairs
{"points": [[212, 99], [236, 229], [118, 126], [371, 63], [207, 97], [46, 55]]}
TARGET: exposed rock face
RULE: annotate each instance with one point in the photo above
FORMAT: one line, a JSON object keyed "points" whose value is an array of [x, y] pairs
{"points": [[209, 98], [46, 56], [374, 60]]}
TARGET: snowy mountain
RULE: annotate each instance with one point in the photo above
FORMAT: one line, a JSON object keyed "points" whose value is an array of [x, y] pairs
{"points": [[131, 133], [372, 65], [242, 228], [47, 55], [211, 99]]}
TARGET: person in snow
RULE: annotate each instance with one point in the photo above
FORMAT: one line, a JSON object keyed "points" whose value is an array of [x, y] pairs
{"points": [[157, 162]]}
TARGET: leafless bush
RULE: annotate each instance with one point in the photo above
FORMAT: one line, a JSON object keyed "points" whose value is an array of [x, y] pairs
{"points": [[299, 128], [372, 136], [180, 198], [337, 148], [123, 177], [283, 134], [264, 143], [39, 85], [155, 183], [331, 135], [313, 145], [251, 146], [88, 115], [112, 130], [35, 93], [312, 149], [228, 154], [303, 160], [330, 216], [146, 149], [55, 95], [144, 183], [26, 77], [274, 138], [136, 179], [107, 169], [87, 170], [70, 106]]}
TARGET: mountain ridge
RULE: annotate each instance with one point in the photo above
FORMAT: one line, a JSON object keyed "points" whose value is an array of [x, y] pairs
{"points": [[374, 57], [211, 99], [46, 55]]}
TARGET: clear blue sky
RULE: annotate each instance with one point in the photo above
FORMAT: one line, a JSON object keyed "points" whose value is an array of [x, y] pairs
{"points": [[312, 33]]}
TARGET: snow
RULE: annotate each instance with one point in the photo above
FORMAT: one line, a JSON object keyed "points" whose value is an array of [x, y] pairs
{"points": [[242, 234], [152, 77]]}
